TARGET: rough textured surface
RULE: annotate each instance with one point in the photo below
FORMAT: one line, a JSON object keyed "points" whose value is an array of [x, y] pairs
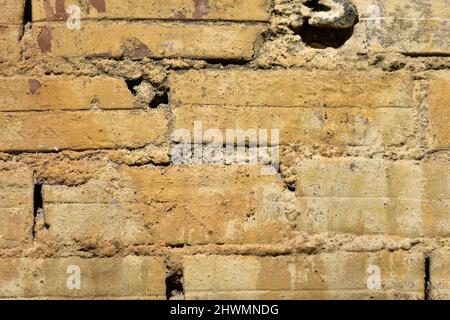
{"points": [[253, 10], [339, 187], [318, 276]]}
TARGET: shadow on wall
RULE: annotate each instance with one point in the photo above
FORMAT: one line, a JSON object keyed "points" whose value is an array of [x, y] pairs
{"points": [[327, 27]]}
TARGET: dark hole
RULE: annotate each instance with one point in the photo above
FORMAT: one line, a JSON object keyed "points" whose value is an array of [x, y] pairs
{"points": [[161, 98], [132, 84], [27, 17], [27, 13], [316, 6], [427, 278], [227, 62], [38, 203], [321, 38], [291, 187], [177, 245], [37, 197], [174, 284]]}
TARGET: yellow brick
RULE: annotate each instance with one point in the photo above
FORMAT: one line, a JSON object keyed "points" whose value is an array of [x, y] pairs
{"points": [[414, 37], [254, 10], [174, 205], [414, 27], [234, 41], [16, 208], [374, 196], [9, 42], [440, 275], [439, 111], [320, 102], [381, 216], [63, 93], [100, 278], [403, 9], [353, 177], [308, 295], [11, 11], [331, 126], [47, 131], [291, 88], [334, 275]]}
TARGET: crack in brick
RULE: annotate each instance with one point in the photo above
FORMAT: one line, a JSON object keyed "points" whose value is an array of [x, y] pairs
{"points": [[38, 204], [27, 12], [427, 286]]}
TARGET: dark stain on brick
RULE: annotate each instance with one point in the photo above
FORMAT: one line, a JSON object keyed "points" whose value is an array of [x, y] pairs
{"points": [[141, 52], [34, 86], [178, 15], [48, 10], [60, 10], [135, 49], [60, 13], [45, 39], [202, 8], [99, 5]]}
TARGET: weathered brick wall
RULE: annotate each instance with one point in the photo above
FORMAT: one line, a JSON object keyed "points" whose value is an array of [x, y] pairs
{"points": [[338, 187]]}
